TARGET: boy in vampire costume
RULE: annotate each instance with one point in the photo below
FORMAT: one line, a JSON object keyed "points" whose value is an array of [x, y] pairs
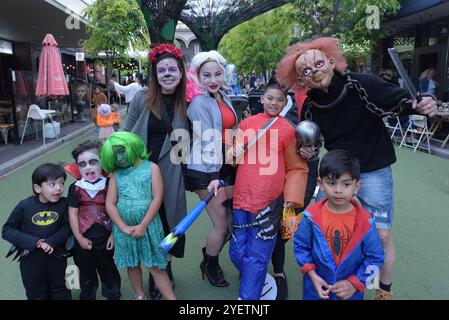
{"points": [[91, 225]]}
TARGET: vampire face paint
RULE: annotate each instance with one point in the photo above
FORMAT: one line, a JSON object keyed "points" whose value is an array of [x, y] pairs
{"points": [[315, 70], [211, 76], [89, 165], [168, 75], [121, 157]]}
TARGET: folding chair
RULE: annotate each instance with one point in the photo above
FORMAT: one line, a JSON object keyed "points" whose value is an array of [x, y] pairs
{"points": [[417, 134], [395, 128]]}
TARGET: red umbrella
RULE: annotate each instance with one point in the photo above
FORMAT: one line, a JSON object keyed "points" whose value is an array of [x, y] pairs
{"points": [[50, 78]]}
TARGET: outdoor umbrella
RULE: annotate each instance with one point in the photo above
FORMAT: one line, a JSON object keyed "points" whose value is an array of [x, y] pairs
{"points": [[50, 78]]}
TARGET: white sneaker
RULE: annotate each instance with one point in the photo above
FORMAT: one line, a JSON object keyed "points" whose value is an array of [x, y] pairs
{"points": [[270, 290]]}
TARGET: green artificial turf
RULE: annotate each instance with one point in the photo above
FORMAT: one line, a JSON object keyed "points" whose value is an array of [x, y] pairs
{"points": [[420, 231]]}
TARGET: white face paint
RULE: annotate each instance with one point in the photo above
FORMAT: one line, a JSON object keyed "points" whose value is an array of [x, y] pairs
{"points": [[89, 165], [211, 76], [168, 75]]}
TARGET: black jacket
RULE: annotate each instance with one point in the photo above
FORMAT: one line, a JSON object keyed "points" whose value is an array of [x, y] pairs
{"points": [[351, 126]]}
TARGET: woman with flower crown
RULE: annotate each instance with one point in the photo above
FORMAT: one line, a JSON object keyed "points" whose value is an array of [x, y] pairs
{"points": [[154, 114]]}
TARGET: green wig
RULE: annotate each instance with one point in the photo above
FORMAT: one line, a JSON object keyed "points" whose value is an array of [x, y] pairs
{"points": [[133, 144]]}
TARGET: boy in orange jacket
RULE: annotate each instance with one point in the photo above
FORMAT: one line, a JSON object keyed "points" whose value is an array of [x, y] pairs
{"points": [[264, 175]]}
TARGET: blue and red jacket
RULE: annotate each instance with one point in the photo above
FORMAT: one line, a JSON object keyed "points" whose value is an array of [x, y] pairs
{"points": [[361, 259]]}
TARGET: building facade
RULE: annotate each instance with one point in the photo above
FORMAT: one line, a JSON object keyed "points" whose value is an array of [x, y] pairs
{"points": [[419, 32]]}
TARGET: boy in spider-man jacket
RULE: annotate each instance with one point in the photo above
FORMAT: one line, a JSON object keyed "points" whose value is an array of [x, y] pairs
{"points": [[337, 245]]}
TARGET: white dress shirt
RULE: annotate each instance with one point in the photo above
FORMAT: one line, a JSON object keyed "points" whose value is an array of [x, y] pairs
{"points": [[129, 91]]}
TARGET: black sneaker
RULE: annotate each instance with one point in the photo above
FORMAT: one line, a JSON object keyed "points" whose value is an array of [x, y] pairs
{"points": [[281, 283]]}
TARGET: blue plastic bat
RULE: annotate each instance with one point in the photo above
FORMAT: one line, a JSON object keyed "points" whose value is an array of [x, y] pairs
{"points": [[170, 240]]}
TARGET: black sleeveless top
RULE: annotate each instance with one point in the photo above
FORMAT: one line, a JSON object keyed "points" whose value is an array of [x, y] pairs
{"points": [[157, 131]]}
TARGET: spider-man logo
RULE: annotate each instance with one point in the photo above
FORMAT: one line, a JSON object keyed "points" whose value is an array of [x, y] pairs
{"points": [[338, 239]]}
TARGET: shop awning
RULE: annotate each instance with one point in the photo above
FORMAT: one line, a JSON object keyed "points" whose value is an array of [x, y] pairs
{"points": [[409, 7], [31, 20]]}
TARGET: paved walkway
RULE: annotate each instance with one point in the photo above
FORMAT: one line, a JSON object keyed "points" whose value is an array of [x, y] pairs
{"points": [[13, 155]]}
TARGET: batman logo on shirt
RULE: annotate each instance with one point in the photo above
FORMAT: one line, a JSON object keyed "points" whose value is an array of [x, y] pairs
{"points": [[45, 218]]}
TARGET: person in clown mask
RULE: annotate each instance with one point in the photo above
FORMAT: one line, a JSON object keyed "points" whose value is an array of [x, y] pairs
{"points": [[91, 226], [348, 107], [134, 197]]}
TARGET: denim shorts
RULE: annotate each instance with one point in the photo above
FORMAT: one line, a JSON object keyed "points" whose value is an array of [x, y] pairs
{"points": [[376, 196]]}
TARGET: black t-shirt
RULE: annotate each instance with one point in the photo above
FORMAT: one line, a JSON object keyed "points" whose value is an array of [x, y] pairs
{"points": [[32, 220], [157, 130], [72, 199], [351, 126]]}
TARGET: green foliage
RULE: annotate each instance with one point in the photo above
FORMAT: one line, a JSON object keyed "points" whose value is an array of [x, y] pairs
{"points": [[114, 26], [344, 19], [259, 44], [211, 20]]}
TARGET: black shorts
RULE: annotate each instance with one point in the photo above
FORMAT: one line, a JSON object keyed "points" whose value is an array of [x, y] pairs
{"points": [[197, 180]]}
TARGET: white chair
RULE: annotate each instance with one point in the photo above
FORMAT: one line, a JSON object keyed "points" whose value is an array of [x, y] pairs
{"points": [[36, 113], [397, 134], [417, 134]]}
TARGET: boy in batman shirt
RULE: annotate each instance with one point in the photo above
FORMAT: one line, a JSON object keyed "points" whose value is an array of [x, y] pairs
{"points": [[39, 226]]}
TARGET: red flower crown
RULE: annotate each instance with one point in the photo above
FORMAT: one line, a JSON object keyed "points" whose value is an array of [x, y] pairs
{"points": [[160, 49]]}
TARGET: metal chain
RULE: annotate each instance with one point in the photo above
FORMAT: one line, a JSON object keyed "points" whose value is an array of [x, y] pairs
{"points": [[394, 112], [361, 91]]}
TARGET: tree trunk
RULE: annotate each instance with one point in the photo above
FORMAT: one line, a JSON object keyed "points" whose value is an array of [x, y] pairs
{"points": [[207, 43]]}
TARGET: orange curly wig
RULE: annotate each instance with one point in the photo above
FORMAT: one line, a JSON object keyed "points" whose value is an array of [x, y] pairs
{"points": [[286, 71]]}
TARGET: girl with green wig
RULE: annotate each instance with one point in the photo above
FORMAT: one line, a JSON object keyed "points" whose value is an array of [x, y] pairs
{"points": [[134, 197], [133, 145]]}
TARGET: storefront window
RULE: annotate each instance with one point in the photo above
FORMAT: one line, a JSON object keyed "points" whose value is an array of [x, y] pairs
{"points": [[405, 47], [81, 99]]}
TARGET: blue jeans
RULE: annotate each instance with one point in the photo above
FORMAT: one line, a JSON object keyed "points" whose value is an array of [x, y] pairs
{"points": [[376, 196], [250, 255]]}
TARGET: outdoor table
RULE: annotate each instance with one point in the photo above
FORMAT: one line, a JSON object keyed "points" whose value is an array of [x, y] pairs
{"points": [[441, 116]]}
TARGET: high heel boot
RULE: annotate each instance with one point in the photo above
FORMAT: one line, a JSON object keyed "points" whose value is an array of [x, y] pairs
{"points": [[210, 267]]}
